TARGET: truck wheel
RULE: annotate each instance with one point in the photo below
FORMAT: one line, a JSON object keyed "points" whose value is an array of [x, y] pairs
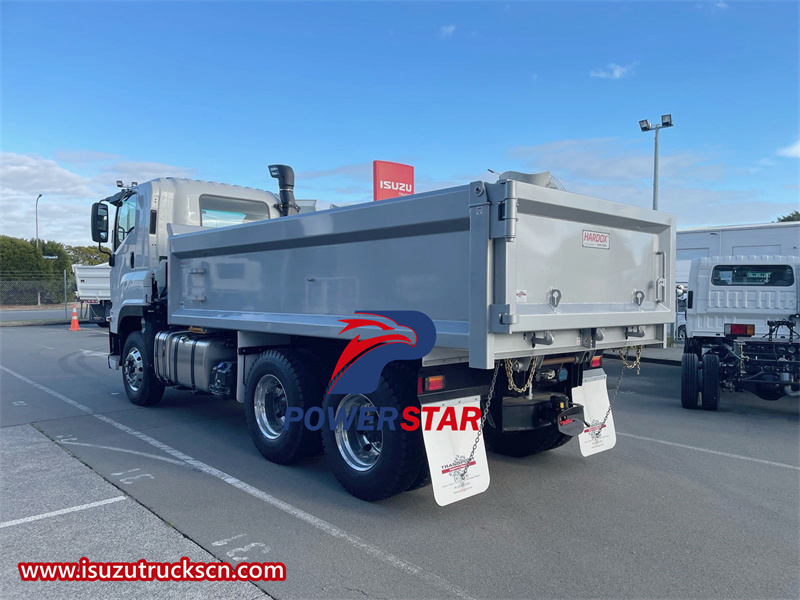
{"points": [[374, 464], [423, 479], [524, 443], [689, 389], [278, 380], [141, 384], [710, 381]]}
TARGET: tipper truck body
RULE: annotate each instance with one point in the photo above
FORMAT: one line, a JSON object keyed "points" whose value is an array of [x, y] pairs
{"points": [[232, 291]]}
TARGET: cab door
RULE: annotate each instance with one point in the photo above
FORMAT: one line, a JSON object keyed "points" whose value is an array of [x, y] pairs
{"points": [[129, 273]]}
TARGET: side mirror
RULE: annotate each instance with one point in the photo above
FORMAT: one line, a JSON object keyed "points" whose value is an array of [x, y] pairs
{"points": [[100, 222]]}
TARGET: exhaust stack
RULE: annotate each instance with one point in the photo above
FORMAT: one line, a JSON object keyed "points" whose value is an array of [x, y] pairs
{"points": [[285, 176]]}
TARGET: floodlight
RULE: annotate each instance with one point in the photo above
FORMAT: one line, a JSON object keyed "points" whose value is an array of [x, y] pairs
{"points": [[119, 184], [645, 125], [133, 183], [666, 120]]}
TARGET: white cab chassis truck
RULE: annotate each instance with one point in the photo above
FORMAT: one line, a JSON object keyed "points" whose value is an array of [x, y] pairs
{"points": [[93, 287], [742, 328], [235, 292]]}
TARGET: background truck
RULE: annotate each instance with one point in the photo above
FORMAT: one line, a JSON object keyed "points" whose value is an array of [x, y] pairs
{"points": [[741, 318], [93, 287], [233, 291]]}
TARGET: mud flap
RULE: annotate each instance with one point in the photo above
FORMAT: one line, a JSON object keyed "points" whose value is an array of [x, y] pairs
{"points": [[593, 396], [449, 449]]}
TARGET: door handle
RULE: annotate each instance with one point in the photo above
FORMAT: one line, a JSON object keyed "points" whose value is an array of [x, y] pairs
{"points": [[131, 260], [661, 276]]}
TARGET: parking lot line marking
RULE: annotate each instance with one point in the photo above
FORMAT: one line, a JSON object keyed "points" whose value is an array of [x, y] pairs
{"points": [[136, 452], [709, 451], [63, 511], [47, 390], [390, 559]]}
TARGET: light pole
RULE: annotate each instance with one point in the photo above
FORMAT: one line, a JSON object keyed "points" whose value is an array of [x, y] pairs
{"points": [[666, 121], [37, 220]]}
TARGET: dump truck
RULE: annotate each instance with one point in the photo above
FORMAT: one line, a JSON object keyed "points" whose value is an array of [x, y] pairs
{"points": [[742, 328], [93, 288], [241, 293]]}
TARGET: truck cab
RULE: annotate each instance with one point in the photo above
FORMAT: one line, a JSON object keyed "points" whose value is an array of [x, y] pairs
{"points": [[145, 216], [742, 328]]}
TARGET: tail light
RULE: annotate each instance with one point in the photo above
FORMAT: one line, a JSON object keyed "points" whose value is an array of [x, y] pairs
{"points": [[597, 361], [739, 329], [434, 383]]}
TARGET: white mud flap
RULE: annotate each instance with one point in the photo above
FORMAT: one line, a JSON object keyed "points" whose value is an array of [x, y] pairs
{"points": [[593, 395], [449, 449]]}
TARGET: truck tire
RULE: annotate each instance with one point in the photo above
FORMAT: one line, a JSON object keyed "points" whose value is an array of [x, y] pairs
{"points": [[280, 379], [373, 465], [710, 381], [524, 443], [423, 479], [142, 386], [689, 386]]}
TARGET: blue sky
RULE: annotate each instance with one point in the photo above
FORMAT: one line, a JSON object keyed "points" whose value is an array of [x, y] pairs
{"points": [[94, 92]]}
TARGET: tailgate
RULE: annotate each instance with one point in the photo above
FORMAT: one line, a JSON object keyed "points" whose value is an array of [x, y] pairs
{"points": [[572, 272]]}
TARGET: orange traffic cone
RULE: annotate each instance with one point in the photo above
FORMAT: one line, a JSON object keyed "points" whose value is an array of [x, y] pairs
{"points": [[73, 326]]}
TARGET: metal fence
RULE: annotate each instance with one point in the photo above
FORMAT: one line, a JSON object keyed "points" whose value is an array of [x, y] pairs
{"points": [[37, 289]]}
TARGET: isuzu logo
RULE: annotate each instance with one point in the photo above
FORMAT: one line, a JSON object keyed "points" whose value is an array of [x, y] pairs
{"points": [[403, 188], [596, 239]]}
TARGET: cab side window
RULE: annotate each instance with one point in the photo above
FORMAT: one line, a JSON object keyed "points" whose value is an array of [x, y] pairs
{"points": [[126, 220]]}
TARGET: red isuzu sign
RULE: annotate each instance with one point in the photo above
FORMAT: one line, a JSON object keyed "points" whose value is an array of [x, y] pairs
{"points": [[390, 180]]}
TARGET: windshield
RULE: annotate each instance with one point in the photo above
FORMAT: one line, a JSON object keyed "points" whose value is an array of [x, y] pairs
{"points": [[753, 275]]}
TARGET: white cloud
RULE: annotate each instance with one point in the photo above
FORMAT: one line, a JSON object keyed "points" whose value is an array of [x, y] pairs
{"points": [[66, 195], [721, 5], [614, 71], [447, 31], [792, 151], [692, 185]]}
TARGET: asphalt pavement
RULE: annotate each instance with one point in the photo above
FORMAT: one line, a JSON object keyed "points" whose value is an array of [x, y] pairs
{"points": [[688, 503], [35, 314]]}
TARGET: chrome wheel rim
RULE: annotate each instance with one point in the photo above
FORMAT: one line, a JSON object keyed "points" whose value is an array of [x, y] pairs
{"points": [[134, 369], [359, 449], [270, 406]]}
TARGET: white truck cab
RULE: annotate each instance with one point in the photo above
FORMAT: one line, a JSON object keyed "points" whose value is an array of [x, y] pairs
{"points": [[742, 328], [140, 234]]}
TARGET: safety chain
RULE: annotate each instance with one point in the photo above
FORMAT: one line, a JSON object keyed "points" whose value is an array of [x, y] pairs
{"points": [[510, 376], [483, 421], [637, 364]]}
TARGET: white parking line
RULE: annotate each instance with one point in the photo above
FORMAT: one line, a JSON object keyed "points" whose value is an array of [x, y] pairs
{"points": [[708, 451], [63, 511], [146, 454], [395, 561]]}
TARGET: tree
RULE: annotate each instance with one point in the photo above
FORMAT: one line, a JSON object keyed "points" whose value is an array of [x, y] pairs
{"points": [[59, 264], [86, 255], [20, 257], [792, 216]]}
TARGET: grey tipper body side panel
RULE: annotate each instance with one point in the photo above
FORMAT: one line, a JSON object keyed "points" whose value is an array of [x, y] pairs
{"points": [[503, 269]]}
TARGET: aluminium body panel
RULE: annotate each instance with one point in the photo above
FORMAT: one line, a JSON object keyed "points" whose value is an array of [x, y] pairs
{"points": [[459, 255], [92, 282]]}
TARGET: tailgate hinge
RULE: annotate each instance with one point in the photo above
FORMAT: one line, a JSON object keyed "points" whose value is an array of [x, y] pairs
{"points": [[507, 213]]}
